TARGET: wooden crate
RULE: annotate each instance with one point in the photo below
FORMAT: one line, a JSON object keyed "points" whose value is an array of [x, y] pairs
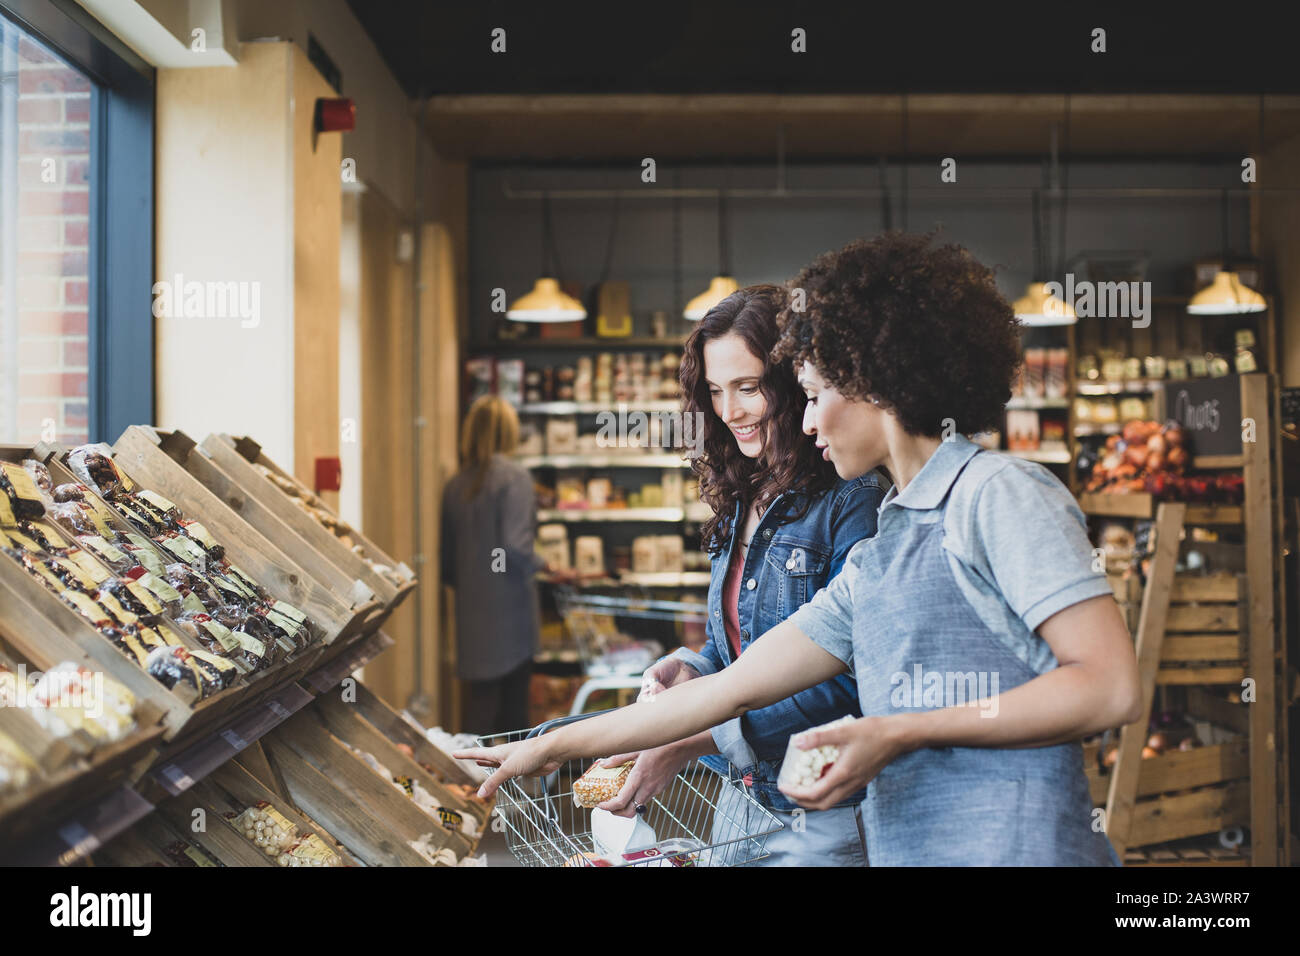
{"points": [[145, 844], [1184, 793], [77, 783], [1205, 639], [392, 726], [225, 448], [356, 585], [333, 785], [346, 722], [229, 789], [180, 707], [142, 454], [273, 512]]}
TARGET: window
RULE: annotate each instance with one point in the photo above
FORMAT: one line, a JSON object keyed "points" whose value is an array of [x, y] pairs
{"points": [[76, 227], [45, 136]]}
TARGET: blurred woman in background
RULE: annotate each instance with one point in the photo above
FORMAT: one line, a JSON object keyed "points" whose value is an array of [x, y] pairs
{"points": [[489, 522]]}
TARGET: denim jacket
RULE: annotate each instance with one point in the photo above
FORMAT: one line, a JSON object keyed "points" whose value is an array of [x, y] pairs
{"points": [[787, 564]]}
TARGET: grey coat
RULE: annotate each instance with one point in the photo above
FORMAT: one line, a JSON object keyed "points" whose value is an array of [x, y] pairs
{"points": [[488, 557]]}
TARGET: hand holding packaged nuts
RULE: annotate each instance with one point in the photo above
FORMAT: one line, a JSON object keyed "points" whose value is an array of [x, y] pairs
{"points": [[803, 768]]}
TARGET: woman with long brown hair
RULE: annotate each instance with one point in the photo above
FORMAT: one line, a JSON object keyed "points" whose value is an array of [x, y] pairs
{"points": [[782, 524], [489, 521]]}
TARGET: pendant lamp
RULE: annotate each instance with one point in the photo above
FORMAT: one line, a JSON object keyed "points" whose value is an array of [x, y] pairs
{"points": [[547, 302], [722, 284], [1226, 295]]}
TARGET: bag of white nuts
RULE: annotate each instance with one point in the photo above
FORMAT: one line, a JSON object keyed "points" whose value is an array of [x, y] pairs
{"points": [[279, 839], [803, 768]]}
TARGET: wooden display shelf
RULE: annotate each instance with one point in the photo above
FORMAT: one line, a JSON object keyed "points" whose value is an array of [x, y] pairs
{"points": [[332, 784], [77, 783], [231, 476], [1141, 505], [185, 714], [231, 789], [145, 844], [143, 455], [230, 452], [345, 722], [388, 722]]}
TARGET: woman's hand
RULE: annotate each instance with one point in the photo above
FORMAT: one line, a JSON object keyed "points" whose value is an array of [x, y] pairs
{"points": [[666, 673], [654, 770], [867, 746], [524, 758]]}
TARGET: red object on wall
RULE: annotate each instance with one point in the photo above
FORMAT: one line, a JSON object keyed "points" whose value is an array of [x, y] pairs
{"points": [[335, 115], [329, 474]]}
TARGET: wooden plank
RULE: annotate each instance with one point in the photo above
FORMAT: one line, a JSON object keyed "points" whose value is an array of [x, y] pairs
{"points": [[1222, 674], [364, 834], [393, 726], [1203, 617], [1191, 814], [1122, 794], [1203, 647], [345, 722], [1136, 505], [1263, 543], [1210, 462], [1214, 514], [138, 453], [1190, 588], [350, 775], [1217, 710]]}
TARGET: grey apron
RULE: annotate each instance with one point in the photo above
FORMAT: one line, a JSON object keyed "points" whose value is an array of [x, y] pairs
{"points": [[956, 806]]}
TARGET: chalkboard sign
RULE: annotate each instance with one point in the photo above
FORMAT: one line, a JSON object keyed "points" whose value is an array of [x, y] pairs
{"points": [[1209, 410]]}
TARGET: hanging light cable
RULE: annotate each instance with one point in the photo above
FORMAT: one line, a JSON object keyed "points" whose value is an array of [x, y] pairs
{"points": [[722, 284], [1038, 306], [547, 302]]}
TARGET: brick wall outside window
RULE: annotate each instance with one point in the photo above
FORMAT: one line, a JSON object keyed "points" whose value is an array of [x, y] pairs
{"points": [[44, 248]]}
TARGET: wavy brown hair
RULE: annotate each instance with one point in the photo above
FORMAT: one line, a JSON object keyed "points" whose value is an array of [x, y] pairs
{"points": [[790, 460], [921, 329]]}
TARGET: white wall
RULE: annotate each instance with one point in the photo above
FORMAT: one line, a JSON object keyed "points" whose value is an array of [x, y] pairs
{"points": [[224, 212]]}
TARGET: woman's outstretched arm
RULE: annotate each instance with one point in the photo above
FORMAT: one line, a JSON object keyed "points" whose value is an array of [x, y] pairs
{"points": [[782, 662]]}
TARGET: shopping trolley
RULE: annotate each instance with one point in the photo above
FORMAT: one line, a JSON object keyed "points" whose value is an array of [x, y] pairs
{"points": [[710, 818], [603, 627]]}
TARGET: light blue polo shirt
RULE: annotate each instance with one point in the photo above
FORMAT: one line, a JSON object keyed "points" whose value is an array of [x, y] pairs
{"points": [[1014, 537]]}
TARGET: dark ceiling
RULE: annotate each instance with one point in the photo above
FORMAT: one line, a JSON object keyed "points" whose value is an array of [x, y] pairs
{"points": [[649, 46]]}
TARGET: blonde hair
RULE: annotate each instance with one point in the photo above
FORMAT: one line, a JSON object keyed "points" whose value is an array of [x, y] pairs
{"points": [[491, 427]]}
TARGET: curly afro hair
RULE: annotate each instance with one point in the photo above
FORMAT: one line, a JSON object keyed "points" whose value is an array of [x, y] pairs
{"points": [[923, 331]]}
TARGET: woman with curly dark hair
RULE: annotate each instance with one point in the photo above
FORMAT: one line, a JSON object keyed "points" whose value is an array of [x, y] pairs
{"points": [[984, 643], [782, 525]]}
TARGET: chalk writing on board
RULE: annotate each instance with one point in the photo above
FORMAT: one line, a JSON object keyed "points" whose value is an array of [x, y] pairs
{"points": [[1196, 416]]}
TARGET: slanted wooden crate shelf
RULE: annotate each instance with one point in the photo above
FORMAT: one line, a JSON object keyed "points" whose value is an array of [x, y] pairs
{"points": [[332, 784], [273, 511], [231, 789], [142, 454]]}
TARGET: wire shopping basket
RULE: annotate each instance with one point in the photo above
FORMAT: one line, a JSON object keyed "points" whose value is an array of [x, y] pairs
{"points": [[709, 818]]}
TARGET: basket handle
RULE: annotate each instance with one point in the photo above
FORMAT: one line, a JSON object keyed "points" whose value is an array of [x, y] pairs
{"points": [[561, 721]]}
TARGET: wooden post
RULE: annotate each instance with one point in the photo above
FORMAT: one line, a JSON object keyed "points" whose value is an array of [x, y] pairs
{"points": [[1262, 527], [1122, 795]]}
